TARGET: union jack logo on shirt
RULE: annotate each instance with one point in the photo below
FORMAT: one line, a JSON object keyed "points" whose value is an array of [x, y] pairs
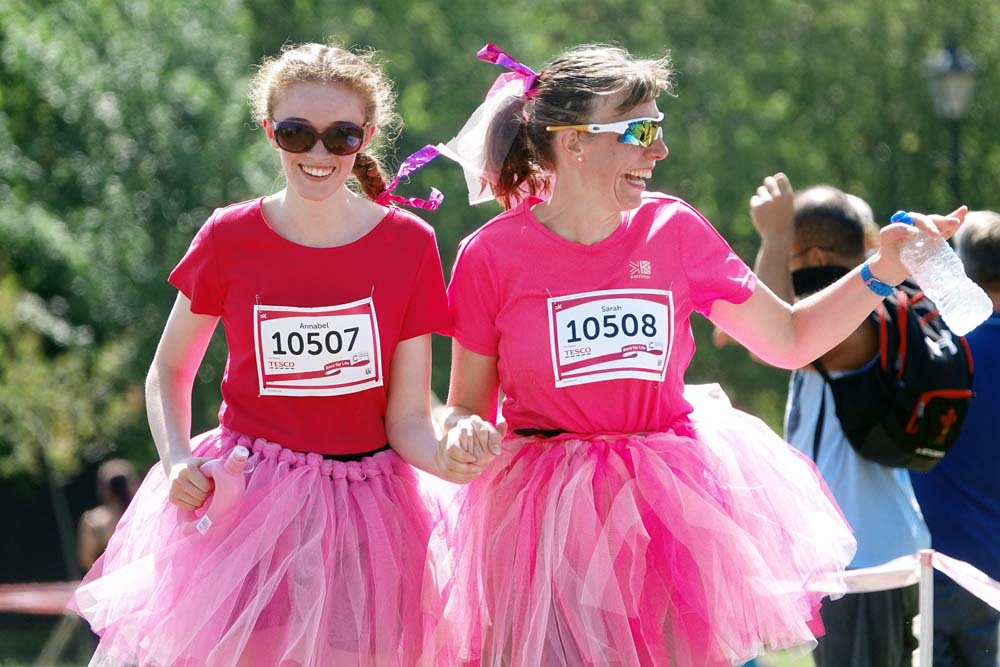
{"points": [[640, 269]]}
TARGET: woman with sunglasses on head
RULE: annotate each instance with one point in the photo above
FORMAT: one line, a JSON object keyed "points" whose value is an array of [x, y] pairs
{"points": [[328, 300], [624, 521]]}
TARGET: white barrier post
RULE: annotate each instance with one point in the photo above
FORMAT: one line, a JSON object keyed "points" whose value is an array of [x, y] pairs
{"points": [[926, 650]]}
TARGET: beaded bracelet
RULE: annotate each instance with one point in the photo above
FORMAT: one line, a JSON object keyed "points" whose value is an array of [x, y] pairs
{"points": [[873, 283]]}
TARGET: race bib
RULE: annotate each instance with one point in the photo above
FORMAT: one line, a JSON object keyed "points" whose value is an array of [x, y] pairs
{"points": [[317, 351], [610, 335]]}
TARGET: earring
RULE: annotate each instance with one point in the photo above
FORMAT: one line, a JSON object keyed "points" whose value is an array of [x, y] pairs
{"points": [[579, 158]]}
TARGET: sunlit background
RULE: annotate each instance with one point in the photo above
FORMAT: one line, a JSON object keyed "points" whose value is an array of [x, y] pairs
{"points": [[124, 123]]}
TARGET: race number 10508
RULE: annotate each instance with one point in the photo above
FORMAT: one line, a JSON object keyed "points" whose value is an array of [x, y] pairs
{"points": [[629, 324]]}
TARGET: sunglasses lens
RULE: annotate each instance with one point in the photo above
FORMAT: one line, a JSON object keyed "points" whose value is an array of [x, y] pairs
{"points": [[294, 138], [344, 138], [641, 133]]}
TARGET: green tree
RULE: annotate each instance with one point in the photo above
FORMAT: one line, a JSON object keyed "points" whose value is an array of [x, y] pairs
{"points": [[125, 125]]}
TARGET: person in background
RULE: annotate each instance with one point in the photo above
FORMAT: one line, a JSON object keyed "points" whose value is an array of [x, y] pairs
{"points": [[622, 522], [960, 497], [809, 240], [116, 484], [869, 226]]}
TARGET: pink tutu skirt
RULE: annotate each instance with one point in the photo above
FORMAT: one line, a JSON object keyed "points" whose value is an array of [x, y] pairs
{"points": [[691, 548], [320, 564]]}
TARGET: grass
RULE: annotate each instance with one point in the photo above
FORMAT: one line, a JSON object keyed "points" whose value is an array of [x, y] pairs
{"points": [[783, 659], [22, 638]]}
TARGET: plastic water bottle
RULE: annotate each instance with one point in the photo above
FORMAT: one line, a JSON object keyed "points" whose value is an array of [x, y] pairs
{"points": [[939, 272], [230, 485]]}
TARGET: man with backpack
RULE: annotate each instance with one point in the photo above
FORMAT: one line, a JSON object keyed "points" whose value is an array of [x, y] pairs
{"points": [[960, 497], [808, 241]]}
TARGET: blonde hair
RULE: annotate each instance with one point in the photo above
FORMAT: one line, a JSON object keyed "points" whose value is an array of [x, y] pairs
{"points": [[330, 63]]}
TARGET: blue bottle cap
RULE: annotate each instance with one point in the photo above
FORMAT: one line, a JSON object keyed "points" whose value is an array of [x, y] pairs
{"points": [[901, 216]]}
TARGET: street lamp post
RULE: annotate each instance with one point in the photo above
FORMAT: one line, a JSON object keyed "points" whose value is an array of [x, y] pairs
{"points": [[952, 78]]}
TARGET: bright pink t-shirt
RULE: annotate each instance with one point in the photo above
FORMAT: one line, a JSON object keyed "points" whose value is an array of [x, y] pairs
{"points": [[312, 331], [593, 339]]}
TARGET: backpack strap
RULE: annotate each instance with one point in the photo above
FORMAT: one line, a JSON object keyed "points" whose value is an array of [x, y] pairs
{"points": [[818, 433], [821, 369], [902, 327], [820, 420]]}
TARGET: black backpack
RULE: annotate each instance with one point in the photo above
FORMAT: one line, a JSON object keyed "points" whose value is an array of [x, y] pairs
{"points": [[906, 410]]}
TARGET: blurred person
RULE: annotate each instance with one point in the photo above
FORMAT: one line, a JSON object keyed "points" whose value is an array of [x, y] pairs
{"points": [[116, 484], [622, 522], [871, 231], [869, 226], [328, 299], [809, 240], [960, 497]]}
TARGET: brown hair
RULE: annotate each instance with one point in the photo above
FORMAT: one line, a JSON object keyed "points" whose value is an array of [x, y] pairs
{"points": [[329, 63], [826, 218], [116, 482], [978, 244], [567, 91]]}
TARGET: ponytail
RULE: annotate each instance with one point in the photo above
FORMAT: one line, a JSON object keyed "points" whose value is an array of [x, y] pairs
{"points": [[514, 168], [369, 174]]}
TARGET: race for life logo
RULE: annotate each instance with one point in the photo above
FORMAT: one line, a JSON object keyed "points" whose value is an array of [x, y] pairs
{"points": [[324, 351], [610, 335], [640, 268]]}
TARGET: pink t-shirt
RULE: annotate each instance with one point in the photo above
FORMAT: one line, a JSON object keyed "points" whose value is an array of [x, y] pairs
{"points": [[593, 339], [312, 331]]}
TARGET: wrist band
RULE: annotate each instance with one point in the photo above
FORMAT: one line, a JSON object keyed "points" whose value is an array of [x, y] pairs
{"points": [[873, 283]]}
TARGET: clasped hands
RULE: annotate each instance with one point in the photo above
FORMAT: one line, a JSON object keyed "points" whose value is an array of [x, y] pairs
{"points": [[467, 448]]}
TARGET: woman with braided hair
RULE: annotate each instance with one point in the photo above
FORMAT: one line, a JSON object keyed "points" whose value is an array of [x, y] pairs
{"points": [[328, 300]]}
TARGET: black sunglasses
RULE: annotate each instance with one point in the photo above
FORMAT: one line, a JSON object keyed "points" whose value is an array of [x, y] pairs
{"points": [[344, 138]]}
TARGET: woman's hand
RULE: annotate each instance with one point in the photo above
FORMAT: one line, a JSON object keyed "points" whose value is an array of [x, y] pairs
{"points": [[188, 486], [467, 448], [479, 438], [886, 265]]}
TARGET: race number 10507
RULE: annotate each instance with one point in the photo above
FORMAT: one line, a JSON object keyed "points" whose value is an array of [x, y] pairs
{"points": [[314, 342]]}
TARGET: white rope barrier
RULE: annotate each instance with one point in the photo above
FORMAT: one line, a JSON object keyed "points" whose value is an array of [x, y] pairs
{"points": [[896, 573], [969, 578], [916, 569]]}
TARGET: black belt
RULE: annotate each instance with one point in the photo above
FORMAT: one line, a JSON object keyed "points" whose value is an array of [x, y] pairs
{"points": [[540, 432], [357, 456]]}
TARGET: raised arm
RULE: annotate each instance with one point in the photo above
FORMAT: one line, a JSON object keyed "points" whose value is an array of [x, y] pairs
{"points": [[772, 210], [792, 336]]}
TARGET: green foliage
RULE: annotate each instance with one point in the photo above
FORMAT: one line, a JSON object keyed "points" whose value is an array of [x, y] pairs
{"points": [[60, 391], [123, 124]]}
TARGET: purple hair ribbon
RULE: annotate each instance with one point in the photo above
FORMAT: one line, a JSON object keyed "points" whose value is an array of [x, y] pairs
{"points": [[410, 165], [493, 54]]}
